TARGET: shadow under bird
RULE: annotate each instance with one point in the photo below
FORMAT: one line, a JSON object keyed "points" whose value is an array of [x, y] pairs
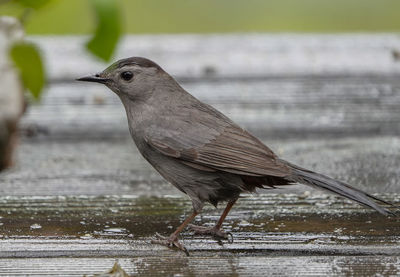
{"points": [[201, 151]]}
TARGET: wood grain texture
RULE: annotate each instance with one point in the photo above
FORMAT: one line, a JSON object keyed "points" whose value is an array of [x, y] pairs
{"points": [[304, 107], [273, 234], [236, 55]]}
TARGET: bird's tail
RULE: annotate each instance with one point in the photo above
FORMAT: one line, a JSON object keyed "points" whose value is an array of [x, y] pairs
{"points": [[310, 178]]}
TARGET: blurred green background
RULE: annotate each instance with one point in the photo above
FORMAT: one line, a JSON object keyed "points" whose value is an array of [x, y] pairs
{"points": [[216, 16]]}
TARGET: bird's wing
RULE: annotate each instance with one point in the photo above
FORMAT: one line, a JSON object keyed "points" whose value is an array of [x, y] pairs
{"points": [[226, 147]]}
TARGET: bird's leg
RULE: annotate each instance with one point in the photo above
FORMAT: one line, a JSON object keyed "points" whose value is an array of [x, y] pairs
{"points": [[172, 240], [215, 231]]}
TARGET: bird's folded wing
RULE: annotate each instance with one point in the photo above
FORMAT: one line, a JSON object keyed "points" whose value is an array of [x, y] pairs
{"points": [[233, 150]]}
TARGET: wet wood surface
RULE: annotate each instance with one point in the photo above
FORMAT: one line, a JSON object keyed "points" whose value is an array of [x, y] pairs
{"points": [[81, 197], [79, 235]]}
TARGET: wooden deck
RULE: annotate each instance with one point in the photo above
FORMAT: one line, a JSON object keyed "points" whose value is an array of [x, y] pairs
{"points": [[78, 235], [80, 196]]}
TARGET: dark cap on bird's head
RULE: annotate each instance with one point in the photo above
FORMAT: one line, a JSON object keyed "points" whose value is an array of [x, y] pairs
{"points": [[142, 62], [138, 61], [132, 76]]}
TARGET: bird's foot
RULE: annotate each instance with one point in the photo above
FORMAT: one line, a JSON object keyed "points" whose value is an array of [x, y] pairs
{"points": [[213, 231], [170, 242]]}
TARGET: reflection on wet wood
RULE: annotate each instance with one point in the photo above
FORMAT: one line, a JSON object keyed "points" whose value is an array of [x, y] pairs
{"points": [[314, 232], [172, 265], [269, 218]]}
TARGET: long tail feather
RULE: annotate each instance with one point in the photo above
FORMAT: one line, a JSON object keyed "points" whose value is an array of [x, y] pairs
{"points": [[310, 178]]}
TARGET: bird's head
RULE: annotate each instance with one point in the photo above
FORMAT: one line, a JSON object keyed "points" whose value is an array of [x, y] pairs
{"points": [[134, 78]]}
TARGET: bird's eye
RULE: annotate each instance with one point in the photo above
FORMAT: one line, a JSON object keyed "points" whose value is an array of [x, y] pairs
{"points": [[127, 75]]}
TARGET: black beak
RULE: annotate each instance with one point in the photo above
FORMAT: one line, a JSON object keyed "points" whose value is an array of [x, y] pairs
{"points": [[94, 78]]}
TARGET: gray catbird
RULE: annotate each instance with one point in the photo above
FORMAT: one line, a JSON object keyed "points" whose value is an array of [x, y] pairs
{"points": [[198, 149]]}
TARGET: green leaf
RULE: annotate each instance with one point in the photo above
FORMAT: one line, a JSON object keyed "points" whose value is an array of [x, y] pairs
{"points": [[108, 30], [35, 4], [27, 60]]}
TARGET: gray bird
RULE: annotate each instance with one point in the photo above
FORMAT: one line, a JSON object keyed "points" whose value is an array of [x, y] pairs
{"points": [[198, 149]]}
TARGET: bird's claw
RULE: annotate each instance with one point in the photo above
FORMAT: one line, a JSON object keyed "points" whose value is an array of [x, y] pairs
{"points": [[230, 237], [213, 231], [170, 242]]}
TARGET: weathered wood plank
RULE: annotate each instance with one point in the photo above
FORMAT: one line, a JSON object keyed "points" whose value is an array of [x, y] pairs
{"points": [[209, 266], [298, 224], [237, 55], [273, 85], [303, 234], [288, 107], [114, 166]]}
